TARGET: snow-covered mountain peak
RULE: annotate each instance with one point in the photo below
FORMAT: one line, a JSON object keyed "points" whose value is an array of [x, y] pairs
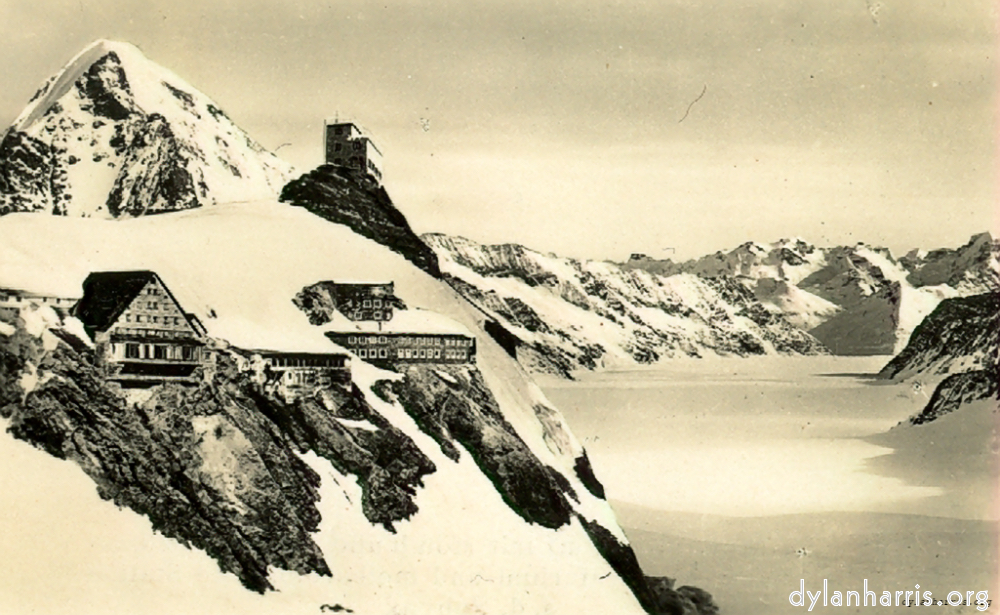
{"points": [[114, 134]]}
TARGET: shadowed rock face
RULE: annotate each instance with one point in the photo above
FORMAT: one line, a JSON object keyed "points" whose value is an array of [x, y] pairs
{"points": [[459, 410], [111, 136], [213, 466], [956, 390], [961, 334], [339, 195], [545, 307]]}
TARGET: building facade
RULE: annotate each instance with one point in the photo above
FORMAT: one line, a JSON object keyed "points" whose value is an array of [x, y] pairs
{"points": [[347, 145], [298, 373], [12, 301], [365, 301], [142, 334], [386, 349]]}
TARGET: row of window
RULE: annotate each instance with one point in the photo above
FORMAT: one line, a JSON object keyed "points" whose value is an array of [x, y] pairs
{"points": [[412, 353], [408, 341], [307, 362], [152, 332], [162, 352], [176, 320], [365, 303], [53, 300], [375, 315], [300, 378]]}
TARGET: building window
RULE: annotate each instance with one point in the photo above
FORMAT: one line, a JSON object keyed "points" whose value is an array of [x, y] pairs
{"points": [[187, 353], [337, 146], [159, 352], [437, 354], [131, 351], [367, 303], [377, 315], [177, 320], [382, 354], [351, 340], [338, 130], [363, 353], [356, 145], [138, 317], [382, 340]]}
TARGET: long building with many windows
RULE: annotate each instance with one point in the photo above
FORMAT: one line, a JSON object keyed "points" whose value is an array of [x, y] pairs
{"points": [[400, 348]]}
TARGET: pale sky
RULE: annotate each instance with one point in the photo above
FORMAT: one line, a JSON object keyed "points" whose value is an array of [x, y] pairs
{"points": [[558, 124]]}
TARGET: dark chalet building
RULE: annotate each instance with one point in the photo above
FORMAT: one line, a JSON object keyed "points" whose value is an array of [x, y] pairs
{"points": [[365, 301], [142, 333]]}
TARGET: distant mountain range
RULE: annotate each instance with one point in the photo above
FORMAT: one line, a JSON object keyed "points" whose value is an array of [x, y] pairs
{"points": [[565, 314], [787, 297]]}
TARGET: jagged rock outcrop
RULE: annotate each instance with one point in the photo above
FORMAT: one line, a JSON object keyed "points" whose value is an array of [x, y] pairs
{"points": [[971, 269], [961, 338], [961, 334], [957, 390], [115, 135], [216, 466], [342, 196], [568, 314], [453, 405]]}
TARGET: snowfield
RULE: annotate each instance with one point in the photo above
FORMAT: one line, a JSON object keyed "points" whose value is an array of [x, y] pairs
{"points": [[237, 268]]}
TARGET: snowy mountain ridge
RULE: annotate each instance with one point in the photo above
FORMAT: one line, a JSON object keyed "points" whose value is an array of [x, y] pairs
{"points": [[855, 299], [116, 135], [566, 314]]}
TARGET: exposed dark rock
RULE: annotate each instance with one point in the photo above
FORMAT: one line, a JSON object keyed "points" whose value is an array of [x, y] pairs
{"points": [[461, 410], [507, 340], [389, 466], [28, 173], [341, 196], [136, 191], [585, 472], [957, 390], [963, 330], [656, 594], [213, 466], [107, 89]]}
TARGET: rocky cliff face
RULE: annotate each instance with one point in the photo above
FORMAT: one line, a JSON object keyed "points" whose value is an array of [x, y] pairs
{"points": [[958, 390], [342, 196], [214, 466], [115, 135], [971, 269], [563, 314], [857, 300], [960, 339], [961, 334]]}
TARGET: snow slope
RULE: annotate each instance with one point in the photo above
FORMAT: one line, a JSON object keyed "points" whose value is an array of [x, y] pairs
{"points": [[114, 134], [238, 267]]}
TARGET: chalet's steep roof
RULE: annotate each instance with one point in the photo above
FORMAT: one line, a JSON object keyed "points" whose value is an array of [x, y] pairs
{"points": [[106, 294]]}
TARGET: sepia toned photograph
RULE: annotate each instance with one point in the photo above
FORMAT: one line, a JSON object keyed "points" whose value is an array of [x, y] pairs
{"points": [[417, 307]]}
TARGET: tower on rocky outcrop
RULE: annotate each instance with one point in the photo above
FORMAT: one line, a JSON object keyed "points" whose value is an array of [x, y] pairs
{"points": [[348, 145]]}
